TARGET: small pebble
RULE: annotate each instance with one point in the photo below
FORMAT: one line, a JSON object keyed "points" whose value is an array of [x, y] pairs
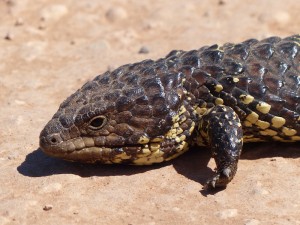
{"points": [[221, 2], [144, 50], [116, 14], [19, 22], [227, 213], [8, 36], [42, 27], [47, 207], [10, 3]]}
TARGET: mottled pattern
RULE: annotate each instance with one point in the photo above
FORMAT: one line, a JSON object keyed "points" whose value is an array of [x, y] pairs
{"points": [[152, 111]]}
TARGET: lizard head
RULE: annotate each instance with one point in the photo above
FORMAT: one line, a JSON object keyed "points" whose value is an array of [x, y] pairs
{"points": [[119, 117]]}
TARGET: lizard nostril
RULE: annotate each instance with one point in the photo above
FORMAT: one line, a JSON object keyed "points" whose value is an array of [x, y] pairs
{"points": [[53, 140]]}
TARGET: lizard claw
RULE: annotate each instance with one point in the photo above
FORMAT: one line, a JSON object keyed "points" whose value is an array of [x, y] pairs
{"points": [[221, 179]]}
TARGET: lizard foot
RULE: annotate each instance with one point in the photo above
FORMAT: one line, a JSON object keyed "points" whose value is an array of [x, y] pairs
{"points": [[221, 179]]}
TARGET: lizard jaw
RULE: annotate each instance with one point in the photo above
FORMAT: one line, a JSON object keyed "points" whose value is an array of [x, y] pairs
{"points": [[83, 149]]}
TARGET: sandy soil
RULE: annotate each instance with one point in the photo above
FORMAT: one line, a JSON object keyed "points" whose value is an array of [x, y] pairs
{"points": [[48, 49]]}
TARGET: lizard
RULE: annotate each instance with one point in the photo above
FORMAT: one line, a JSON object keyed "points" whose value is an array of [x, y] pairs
{"points": [[218, 96]]}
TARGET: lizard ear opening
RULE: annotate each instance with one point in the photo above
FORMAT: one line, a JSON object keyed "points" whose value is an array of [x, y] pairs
{"points": [[97, 122]]}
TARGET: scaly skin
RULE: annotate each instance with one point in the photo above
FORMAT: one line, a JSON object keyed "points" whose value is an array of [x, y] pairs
{"points": [[152, 111]]}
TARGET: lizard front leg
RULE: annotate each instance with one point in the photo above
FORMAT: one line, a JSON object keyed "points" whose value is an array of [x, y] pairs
{"points": [[222, 130]]}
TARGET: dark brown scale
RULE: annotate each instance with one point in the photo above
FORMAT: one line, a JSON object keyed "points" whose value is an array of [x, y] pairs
{"points": [[212, 56], [144, 111], [232, 67], [228, 99], [264, 51], [276, 103], [256, 70], [257, 89], [288, 49], [243, 83], [237, 52], [273, 83], [191, 59]]}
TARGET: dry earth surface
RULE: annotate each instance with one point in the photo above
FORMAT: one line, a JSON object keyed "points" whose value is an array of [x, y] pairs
{"points": [[48, 49]]}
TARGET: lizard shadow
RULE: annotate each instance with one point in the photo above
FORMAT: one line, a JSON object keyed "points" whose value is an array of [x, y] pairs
{"points": [[192, 164], [38, 164]]}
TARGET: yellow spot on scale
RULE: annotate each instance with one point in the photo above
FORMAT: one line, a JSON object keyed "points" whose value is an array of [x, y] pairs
{"points": [[179, 130], [192, 127], [182, 137], [219, 101], [182, 118], [201, 111], [177, 139], [175, 118], [295, 138], [154, 146], [183, 146], [268, 132], [277, 138], [247, 124], [122, 156], [158, 153], [253, 139], [182, 110], [175, 125], [297, 43], [246, 99], [263, 107], [171, 133], [218, 88], [248, 136], [146, 151], [288, 131], [157, 139], [252, 117], [277, 121], [262, 124], [147, 159], [143, 140], [235, 80]]}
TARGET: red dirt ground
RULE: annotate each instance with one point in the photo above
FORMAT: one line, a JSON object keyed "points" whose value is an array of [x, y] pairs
{"points": [[48, 49]]}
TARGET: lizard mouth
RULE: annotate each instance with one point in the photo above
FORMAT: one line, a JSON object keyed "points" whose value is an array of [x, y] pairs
{"points": [[85, 150], [99, 154]]}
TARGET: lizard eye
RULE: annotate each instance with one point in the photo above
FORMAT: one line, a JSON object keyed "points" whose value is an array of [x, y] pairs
{"points": [[97, 122]]}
